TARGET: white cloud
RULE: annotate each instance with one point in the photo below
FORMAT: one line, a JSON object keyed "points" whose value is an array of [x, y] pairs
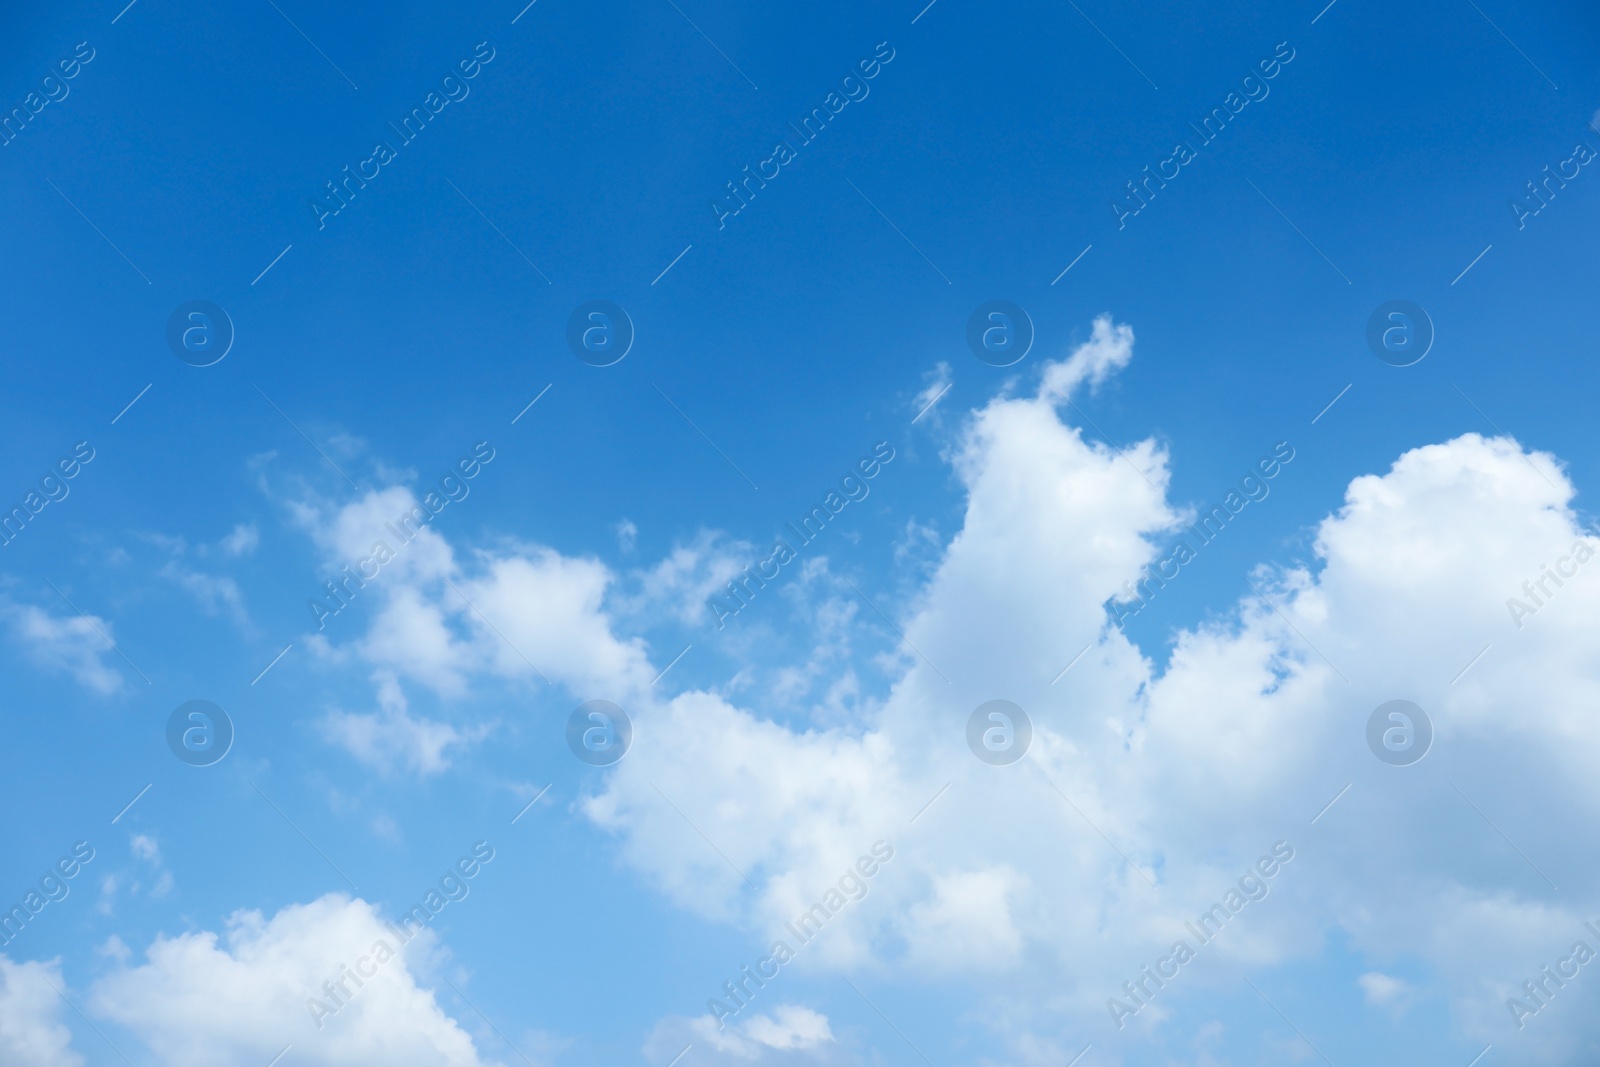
{"points": [[212, 592], [1107, 351], [149, 877], [202, 1000], [938, 384], [1385, 991], [1042, 871], [73, 644], [1193, 772], [793, 1027], [792, 1033], [241, 540], [969, 918], [31, 1031], [529, 613], [688, 575], [550, 609], [391, 739]]}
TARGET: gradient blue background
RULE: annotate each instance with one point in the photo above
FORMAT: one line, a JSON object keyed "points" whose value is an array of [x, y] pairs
{"points": [[795, 338]]}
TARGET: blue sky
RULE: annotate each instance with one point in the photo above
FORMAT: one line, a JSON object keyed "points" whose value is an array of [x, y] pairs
{"points": [[575, 155]]}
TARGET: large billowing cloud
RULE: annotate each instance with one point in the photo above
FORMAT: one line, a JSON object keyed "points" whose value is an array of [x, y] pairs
{"points": [[1148, 797], [201, 1000]]}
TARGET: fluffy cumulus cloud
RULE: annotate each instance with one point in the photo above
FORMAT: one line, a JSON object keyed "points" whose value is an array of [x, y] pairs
{"points": [[1155, 793], [1148, 797], [523, 614], [32, 1033], [235, 1000]]}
